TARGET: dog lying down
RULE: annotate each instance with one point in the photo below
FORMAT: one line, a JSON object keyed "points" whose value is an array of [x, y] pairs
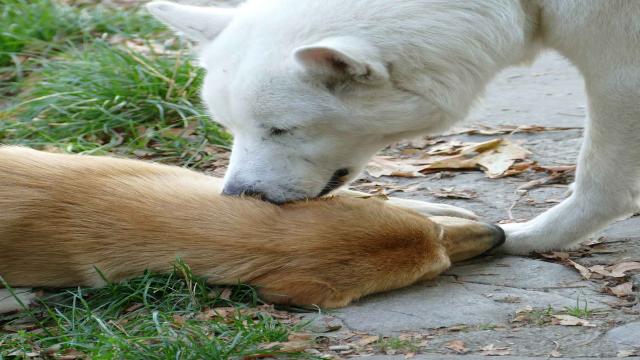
{"points": [[63, 215]]}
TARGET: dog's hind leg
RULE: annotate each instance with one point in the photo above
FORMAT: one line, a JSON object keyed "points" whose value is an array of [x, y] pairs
{"points": [[423, 207], [8, 303], [607, 184]]}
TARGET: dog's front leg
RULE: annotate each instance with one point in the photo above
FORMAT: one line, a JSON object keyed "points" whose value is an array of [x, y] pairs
{"points": [[423, 207], [607, 184]]}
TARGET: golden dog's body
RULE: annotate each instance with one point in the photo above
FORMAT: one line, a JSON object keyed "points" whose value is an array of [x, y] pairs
{"points": [[62, 216]]}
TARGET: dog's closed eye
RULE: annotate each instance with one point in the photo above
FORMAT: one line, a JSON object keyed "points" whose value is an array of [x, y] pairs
{"points": [[278, 132]]}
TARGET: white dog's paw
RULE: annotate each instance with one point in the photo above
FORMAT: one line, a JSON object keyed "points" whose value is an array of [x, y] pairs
{"points": [[570, 189], [525, 238], [9, 304], [431, 209]]}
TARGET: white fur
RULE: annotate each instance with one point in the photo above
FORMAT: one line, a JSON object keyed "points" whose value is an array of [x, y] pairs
{"points": [[345, 78], [8, 302]]}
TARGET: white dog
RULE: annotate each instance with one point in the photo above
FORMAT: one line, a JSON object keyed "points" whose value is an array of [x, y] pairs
{"points": [[312, 89]]}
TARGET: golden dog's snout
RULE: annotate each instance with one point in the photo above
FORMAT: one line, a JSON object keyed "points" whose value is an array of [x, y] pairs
{"points": [[465, 239]]}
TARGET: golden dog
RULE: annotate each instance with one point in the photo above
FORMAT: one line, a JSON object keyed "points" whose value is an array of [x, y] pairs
{"points": [[62, 216]]}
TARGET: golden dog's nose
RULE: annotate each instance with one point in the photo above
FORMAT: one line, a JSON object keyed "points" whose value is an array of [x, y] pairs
{"points": [[465, 239]]}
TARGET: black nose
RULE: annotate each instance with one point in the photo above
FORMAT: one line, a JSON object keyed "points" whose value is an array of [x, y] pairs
{"points": [[232, 189]]}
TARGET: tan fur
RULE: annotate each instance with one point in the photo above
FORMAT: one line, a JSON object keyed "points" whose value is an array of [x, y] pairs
{"points": [[63, 215]]}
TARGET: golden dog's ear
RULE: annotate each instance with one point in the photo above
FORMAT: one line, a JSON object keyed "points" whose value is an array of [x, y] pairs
{"points": [[465, 239]]}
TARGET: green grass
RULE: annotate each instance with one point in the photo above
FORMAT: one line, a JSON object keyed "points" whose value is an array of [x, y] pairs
{"points": [[104, 97], [85, 94], [151, 317], [37, 29], [396, 344], [580, 311], [105, 80]]}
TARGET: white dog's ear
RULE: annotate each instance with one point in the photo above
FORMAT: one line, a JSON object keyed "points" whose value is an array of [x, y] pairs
{"points": [[196, 22], [343, 58]]}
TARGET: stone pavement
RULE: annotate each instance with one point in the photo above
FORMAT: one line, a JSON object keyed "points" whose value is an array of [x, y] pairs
{"points": [[477, 302]]}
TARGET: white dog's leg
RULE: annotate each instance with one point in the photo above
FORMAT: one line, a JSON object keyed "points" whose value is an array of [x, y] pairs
{"points": [[607, 184], [9, 304], [423, 207]]}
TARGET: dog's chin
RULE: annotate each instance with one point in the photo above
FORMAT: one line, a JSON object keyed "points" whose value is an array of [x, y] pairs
{"points": [[338, 179]]}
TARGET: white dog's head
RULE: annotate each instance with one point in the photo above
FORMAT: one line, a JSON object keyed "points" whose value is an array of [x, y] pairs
{"points": [[308, 101]]}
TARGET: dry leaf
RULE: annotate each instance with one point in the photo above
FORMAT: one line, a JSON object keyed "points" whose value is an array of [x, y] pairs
{"points": [[492, 350], [510, 129], [522, 314], [625, 353], [287, 346], [556, 255], [569, 320], [583, 270], [616, 271], [70, 354], [452, 193], [383, 166], [457, 346], [366, 340], [621, 290], [619, 270], [494, 157]]}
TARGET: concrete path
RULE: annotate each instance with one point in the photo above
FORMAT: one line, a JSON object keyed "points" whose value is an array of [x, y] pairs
{"points": [[510, 301]]}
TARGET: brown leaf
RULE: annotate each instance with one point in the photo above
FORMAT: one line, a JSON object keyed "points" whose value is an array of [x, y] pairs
{"points": [[287, 346], [583, 270], [569, 320], [621, 290], [492, 350], [451, 193], [616, 271], [300, 337], [556, 255], [70, 354], [366, 340], [457, 346], [494, 157], [626, 353], [383, 166], [619, 270]]}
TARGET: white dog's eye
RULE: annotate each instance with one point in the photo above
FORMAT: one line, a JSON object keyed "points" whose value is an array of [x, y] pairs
{"points": [[278, 132]]}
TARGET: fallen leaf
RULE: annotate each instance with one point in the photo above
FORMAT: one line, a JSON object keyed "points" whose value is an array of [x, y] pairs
{"points": [[557, 175], [383, 166], [569, 320], [457, 346], [556, 255], [492, 350], [451, 193], [70, 354], [621, 290], [555, 354], [619, 270], [626, 353], [287, 346], [366, 340], [616, 271], [582, 269], [494, 157], [510, 129]]}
